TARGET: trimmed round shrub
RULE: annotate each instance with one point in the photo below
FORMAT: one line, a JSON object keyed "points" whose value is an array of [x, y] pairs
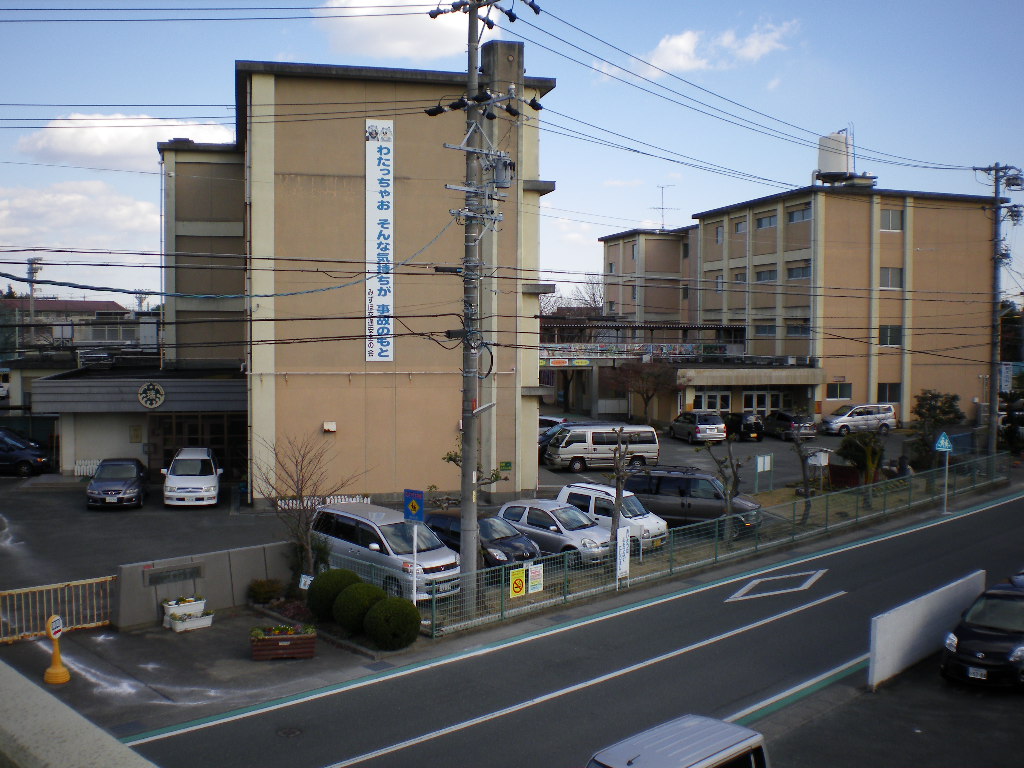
{"points": [[392, 623], [325, 588], [265, 590], [353, 602]]}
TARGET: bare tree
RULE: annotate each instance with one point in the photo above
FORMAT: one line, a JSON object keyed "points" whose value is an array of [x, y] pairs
{"points": [[728, 470], [800, 448], [549, 302], [588, 293], [646, 380], [297, 482]]}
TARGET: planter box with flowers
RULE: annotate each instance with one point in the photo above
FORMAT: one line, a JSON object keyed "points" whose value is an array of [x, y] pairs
{"points": [[192, 605], [283, 641], [186, 622]]}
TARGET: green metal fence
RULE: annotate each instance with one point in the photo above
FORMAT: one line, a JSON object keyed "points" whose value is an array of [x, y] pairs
{"points": [[497, 594]]}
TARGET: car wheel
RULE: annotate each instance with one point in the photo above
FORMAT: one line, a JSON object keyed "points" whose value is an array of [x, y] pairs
{"points": [[883, 430], [672, 433], [23, 469], [392, 587], [689, 438], [577, 465], [843, 431], [636, 461]]}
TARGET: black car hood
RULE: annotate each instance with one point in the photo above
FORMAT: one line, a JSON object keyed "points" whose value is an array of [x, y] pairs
{"points": [[111, 485], [513, 545], [973, 638]]}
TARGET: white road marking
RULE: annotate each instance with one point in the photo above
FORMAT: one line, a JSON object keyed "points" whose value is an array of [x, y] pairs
{"points": [[807, 583], [579, 686]]}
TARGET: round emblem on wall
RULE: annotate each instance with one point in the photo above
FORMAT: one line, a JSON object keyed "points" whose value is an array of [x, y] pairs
{"points": [[151, 394]]}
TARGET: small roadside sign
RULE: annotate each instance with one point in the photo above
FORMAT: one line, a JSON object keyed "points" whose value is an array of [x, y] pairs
{"points": [[414, 506], [943, 443], [54, 627]]}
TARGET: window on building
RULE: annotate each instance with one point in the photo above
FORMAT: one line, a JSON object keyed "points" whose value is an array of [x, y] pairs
{"points": [[611, 307], [719, 283], [686, 249], [890, 277], [799, 273], [889, 393], [719, 234], [766, 222], [800, 327], [611, 267], [890, 335], [712, 401], [766, 275], [686, 291], [740, 227], [892, 220], [800, 214], [839, 390], [635, 250], [739, 277], [632, 292], [765, 329]]}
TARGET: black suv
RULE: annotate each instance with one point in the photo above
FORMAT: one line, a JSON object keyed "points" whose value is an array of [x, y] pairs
{"points": [[746, 426], [688, 495]]}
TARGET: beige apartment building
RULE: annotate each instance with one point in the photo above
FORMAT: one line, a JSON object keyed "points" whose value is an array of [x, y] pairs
{"points": [[306, 256], [825, 296]]}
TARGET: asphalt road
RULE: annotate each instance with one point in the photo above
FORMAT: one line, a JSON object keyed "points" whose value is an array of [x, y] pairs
{"points": [[551, 698]]}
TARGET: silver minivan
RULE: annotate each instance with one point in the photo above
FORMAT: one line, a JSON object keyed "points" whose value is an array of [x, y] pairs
{"points": [[870, 417], [646, 530], [378, 543], [687, 742], [558, 527], [193, 479], [582, 445]]}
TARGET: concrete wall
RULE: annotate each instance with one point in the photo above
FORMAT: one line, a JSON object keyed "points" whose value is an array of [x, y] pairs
{"points": [[38, 730], [914, 630], [223, 578]]}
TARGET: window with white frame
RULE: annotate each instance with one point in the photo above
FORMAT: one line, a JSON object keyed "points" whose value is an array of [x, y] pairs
{"points": [[712, 401], [892, 220], [799, 272], [890, 335], [635, 250], [766, 222], [766, 275], [611, 307], [838, 390], [890, 277], [889, 393], [799, 214]]}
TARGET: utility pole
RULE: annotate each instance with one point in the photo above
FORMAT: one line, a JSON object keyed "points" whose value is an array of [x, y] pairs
{"points": [[33, 270], [1010, 177], [478, 216]]}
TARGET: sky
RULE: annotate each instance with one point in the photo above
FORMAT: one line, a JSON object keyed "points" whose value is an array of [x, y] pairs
{"points": [[661, 110]]}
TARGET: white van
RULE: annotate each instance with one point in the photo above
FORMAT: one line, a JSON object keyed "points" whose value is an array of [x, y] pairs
{"points": [[581, 446], [870, 417], [687, 742], [193, 479], [647, 531]]}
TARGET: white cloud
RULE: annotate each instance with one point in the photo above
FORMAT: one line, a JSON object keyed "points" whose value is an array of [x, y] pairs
{"points": [[416, 37], [678, 53], [773, 84], [86, 215], [758, 44], [114, 141]]}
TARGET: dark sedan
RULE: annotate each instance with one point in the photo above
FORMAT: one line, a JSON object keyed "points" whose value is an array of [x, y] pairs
{"points": [[788, 425], [500, 543], [746, 426], [987, 646], [117, 483]]}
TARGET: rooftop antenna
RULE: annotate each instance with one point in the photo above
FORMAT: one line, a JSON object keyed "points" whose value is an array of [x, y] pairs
{"points": [[662, 207]]}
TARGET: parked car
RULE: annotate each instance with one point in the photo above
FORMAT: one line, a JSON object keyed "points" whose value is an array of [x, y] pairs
{"points": [[872, 417], [788, 425], [746, 426], [987, 646], [687, 742], [500, 543], [646, 530], [690, 495], [193, 479], [117, 483], [546, 436], [697, 426], [558, 527], [20, 457], [19, 436], [590, 445], [377, 543], [545, 422]]}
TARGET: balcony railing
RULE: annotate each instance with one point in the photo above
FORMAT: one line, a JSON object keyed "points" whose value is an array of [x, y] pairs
{"points": [[734, 354]]}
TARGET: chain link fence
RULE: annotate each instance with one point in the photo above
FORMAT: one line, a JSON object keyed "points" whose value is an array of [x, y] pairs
{"points": [[498, 594]]}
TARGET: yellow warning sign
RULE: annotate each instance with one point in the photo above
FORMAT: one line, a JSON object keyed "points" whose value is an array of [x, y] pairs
{"points": [[517, 583]]}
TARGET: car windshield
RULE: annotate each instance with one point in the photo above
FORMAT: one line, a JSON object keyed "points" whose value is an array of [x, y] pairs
{"points": [[552, 430], [115, 472], [709, 418], [1003, 612], [571, 519], [494, 528], [842, 410], [191, 468], [400, 537], [631, 507]]}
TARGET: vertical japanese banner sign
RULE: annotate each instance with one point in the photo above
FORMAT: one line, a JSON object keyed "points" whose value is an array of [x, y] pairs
{"points": [[380, 240]]}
